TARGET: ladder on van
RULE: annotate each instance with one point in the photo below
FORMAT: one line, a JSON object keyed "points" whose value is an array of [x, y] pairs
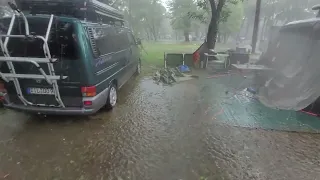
{"points": [[50, 78]]}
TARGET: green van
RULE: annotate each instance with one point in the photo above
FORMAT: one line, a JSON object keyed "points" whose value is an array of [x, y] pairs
{"points": [[65, 57]]}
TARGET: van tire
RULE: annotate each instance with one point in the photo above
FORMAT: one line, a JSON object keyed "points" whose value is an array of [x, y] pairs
{"points": [[112, 97], [138, 70]]}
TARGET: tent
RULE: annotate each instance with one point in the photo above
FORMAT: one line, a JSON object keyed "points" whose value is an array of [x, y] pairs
{"points": [[294, 82]]}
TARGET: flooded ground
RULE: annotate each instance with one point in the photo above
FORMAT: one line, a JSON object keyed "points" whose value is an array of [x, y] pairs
{"points": [[156, 132]]}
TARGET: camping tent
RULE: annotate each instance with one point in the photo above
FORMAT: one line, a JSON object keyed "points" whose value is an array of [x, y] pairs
{"points": [[294, 82]]}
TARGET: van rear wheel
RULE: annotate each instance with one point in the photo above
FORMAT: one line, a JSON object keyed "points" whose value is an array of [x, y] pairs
{"points": [[112, 97]]}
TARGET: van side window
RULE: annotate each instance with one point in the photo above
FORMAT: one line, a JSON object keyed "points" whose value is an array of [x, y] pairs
{"points": [[92, 38], [109, 39], [62, 40], [105, 40], [123, 41], [100, 37]]}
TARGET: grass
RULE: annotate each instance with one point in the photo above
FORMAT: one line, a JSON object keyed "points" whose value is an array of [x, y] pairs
{"points": [[153, 53]]}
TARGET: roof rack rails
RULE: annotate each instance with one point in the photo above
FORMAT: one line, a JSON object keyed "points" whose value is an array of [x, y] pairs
{"points": [[88, 10], [51, 77]]}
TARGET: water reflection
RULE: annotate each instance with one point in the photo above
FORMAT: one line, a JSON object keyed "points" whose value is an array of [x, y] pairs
{"points": [[156, 132]]}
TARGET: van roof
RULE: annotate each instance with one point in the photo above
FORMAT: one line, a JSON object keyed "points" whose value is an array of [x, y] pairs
{"points": [[46, 16], [82, 9]]}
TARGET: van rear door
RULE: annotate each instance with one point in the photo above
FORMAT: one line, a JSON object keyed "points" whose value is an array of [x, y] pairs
{"points": [[62, 45]]}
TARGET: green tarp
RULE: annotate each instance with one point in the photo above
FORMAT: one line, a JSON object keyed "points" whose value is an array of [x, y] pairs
{"points": [[231, 104]]}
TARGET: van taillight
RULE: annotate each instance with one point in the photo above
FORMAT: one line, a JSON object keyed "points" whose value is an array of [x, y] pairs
{"points": [[2, 88], [2, 91], [88, 91]]}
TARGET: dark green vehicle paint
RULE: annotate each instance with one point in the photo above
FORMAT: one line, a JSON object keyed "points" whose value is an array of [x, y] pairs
{"points": [[89, 68]]}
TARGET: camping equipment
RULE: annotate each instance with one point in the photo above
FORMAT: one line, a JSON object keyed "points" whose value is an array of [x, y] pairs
{"points": [[294, 82], [171, 75], [184, 68]]}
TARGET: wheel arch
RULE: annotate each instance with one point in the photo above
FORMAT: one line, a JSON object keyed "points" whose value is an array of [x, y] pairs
{"points": [[114, 82]]}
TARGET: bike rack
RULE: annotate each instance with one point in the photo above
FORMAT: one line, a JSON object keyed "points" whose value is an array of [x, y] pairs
{"points": [[50, 78]]}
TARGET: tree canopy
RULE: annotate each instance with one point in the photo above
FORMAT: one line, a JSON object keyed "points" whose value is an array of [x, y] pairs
{"points": [[4, 9], [279, 12], [218, 11], [180, 19], [232, 24], [145, 17]]}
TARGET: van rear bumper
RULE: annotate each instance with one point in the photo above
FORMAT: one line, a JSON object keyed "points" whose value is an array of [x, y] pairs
{"points": [[97, 103], [51, 110]]}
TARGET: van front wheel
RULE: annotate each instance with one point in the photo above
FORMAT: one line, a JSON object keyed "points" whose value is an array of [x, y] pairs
{"points": [[112, 97]]}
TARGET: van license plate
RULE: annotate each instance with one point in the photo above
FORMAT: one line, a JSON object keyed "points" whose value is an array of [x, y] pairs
{"points": [[43, 91]]}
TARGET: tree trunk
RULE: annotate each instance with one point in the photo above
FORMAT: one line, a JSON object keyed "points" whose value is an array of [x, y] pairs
{"points": [[130, 14], [155, 36], [154, 30], [256, 26], [186, 36], [241, 28], [214, 22], [197, 33], [264, 29], [225, 38], [148, 36], [212, 33], [219, 37], [247, 27]]}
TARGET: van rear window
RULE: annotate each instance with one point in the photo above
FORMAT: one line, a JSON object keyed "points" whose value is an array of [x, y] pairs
{"points": [[61, 41]]}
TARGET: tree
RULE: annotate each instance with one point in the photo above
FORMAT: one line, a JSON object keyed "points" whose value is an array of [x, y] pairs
{"points": [[4, 9], [233, 23], [280, 12], [153, 17], [292, 10], [144, 21], [283, 11], [5, 2], [217, 16], [218, 12], [180, 19], [216, 9]]}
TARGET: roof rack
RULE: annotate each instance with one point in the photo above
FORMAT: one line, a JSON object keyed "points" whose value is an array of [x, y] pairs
{"points": [[89, 10], [13, 75]]}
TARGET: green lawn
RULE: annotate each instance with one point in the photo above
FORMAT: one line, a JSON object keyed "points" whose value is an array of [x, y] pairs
{"points": [[154, 51]]}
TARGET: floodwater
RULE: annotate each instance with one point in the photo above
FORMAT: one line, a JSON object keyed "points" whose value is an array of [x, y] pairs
{"points": [[155, 133]]}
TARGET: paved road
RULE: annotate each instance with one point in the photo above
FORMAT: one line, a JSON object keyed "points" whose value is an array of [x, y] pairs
{"points": [[156, 132]]}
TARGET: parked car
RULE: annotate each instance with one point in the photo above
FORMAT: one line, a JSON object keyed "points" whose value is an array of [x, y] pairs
{"points": [[93, 60]]}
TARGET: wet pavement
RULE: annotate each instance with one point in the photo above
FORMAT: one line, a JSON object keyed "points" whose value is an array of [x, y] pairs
{"points": [[155, 133]]}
